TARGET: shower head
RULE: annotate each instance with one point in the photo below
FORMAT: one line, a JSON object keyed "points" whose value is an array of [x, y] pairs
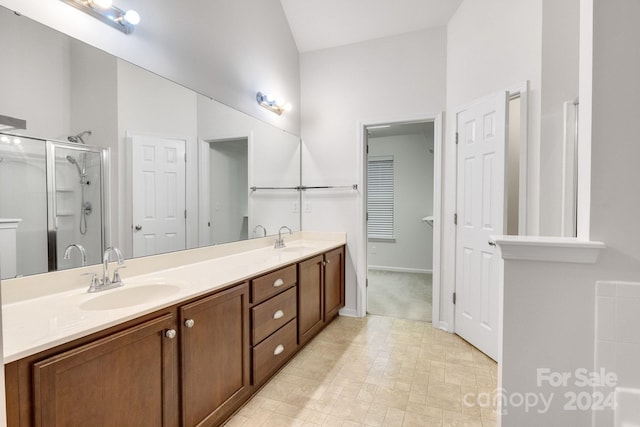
{"points": [[78, 138], [73, 161]]}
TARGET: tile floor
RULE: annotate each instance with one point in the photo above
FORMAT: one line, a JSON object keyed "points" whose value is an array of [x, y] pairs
{"points": [[399, 294], [377, 371]]}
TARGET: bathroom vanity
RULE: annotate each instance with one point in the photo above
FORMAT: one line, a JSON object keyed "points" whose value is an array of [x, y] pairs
{"points": [[219, 330]]}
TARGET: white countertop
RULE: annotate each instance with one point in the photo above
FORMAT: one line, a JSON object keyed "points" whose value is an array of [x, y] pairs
{"points": [[34, 324]]}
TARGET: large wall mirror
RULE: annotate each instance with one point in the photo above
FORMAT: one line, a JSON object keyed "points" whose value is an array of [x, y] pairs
{"points": [[140, 162]]}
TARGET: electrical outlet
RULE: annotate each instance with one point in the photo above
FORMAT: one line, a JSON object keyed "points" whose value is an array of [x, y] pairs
{"points": [[374, 250], [307, 207], [296, 208]]}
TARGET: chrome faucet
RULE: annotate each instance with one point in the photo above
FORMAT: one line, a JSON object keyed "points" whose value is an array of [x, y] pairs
{"points": [[280, 243], [106, 283], [80, 248], [264, 230]]}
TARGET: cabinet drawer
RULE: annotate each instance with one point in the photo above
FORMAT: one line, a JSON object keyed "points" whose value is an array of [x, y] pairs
{"points": [[271, 353], [269, 316], [273, 283]]}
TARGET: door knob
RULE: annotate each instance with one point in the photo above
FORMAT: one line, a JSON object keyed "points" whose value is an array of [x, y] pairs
{"points": [[138, 227], [171, 334], [189, 323]]}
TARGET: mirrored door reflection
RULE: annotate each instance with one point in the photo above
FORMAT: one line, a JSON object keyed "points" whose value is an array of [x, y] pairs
{"points": [[76, 223]]}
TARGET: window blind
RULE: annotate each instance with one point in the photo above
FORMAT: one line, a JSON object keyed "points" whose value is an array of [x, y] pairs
{"points": [[380, 197]]}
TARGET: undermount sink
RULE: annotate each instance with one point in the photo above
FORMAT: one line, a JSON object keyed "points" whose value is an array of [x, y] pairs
{"points": [[129, 296]]}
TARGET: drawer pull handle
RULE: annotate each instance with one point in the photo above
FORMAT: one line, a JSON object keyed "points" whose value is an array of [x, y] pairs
{"points": [[171, 334], [278, 283], [278, 314], [279, 349]]}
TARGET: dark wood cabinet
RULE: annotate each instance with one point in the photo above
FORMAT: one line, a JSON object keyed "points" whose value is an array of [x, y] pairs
{"points": [[76, 387], [190, 364], [333, 283], [310, 301], [320, 292], [215, 356]]}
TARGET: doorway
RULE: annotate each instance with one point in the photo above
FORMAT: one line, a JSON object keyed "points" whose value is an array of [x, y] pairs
{"points": [[228, 181], [400, 219]]}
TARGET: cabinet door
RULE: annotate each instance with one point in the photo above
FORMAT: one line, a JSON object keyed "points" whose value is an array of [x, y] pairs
{"points": [[310, 308], [125, 379], [333, 283], [215, 356]]}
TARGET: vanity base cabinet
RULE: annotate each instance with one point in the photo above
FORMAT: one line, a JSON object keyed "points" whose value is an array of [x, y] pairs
{"points": [[320, 292], [333, 283], [75, 388], [310, 301], [215, 367]]}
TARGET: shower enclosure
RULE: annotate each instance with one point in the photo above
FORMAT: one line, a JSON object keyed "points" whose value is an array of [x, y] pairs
{"points": [[57, 191]]}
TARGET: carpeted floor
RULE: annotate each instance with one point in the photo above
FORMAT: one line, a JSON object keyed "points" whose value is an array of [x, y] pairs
{"points": [[401, 295]]}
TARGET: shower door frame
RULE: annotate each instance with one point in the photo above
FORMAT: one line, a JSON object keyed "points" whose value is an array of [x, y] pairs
{"points": [[52, 228]]}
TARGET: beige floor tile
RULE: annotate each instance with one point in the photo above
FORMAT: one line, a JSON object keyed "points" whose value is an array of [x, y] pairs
{"points": [[411, 419], [375, 372]]}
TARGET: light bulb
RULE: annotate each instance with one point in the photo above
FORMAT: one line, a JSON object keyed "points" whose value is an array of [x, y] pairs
{"points": [[101, 4], [132, 17], [287, 107]]}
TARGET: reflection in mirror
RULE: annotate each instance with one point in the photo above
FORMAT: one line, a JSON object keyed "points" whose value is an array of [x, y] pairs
{"points": [[201, 184], [54, 191]]}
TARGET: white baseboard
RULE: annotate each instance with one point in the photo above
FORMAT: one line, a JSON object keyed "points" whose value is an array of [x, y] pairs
{"points": [[399, 269], [444, 326], [348, 312]]}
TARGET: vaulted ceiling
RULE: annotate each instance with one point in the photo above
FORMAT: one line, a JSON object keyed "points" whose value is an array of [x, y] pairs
{"points": [[321, 24]]}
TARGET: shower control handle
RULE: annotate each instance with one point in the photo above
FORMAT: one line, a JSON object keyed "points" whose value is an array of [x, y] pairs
{"points": [[138, 227]]}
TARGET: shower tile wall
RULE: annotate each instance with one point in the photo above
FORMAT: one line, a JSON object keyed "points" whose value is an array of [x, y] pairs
{"points": [[617, 353]]}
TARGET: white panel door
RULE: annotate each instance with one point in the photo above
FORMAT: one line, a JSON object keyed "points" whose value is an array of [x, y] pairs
{"points": [[482, 144], [158, 175]]}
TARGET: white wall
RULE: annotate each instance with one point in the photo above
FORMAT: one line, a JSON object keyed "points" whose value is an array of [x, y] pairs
{"points": [[151, 105], [226, 50], [381, 80], [412, 249], [550, 309], [273, 161], [36, 85]]}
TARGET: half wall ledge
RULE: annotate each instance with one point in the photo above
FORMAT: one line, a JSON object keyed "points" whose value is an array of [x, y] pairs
{"points": [[549, 249]]}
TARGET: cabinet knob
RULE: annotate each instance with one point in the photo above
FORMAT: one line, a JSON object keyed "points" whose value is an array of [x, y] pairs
{"points": [[189, 323], [279, 349], [171, 334], [278, 314], [278, 283]]}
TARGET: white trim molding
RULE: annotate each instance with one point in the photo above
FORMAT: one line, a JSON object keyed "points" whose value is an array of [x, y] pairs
{"points": [[549, 249]]}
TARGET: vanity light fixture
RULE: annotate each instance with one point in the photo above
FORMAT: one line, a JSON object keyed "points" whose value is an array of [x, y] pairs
{"points": [[104, 11], [272, 104], [11, 123]]}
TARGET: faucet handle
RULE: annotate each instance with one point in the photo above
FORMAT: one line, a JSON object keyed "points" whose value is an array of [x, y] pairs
{"points": [[116, 275], [95, 283]]}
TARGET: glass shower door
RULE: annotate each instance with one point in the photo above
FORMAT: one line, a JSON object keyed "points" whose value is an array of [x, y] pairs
{"points": [[76, 204]]}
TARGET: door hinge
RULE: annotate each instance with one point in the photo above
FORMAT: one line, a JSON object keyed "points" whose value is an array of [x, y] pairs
{"points": [[185, 157], [185, 214], [367, 284], [367, 218], [367, 148], [457, 138], [455, 219], [454, 297]]}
